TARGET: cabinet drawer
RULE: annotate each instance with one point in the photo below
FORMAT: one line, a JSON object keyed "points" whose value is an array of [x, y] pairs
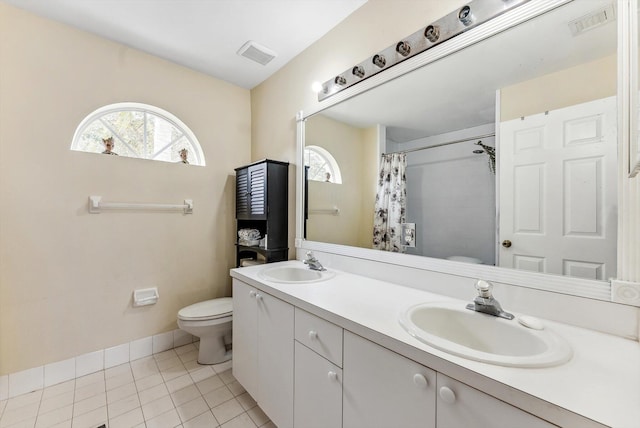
{"points": [[320, 335]]}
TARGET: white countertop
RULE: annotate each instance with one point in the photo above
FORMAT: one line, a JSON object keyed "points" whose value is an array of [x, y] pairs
{"points": [[599, 386]]}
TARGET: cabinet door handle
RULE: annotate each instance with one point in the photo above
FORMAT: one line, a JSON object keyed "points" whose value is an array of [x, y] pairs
{"points": [[332, 375], [447, 395], [313, 335], [258, 296], [420, 381], [252, 293]]}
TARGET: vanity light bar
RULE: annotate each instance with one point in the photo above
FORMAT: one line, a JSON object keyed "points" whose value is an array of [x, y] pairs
{"points": [[469, 16]]}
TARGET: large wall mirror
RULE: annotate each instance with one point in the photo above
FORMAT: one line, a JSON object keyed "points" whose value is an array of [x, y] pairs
{"points": [[537, 194]]}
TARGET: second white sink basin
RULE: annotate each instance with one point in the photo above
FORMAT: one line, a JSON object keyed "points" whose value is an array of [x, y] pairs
{"points": [[294, 274], [452, 328]]}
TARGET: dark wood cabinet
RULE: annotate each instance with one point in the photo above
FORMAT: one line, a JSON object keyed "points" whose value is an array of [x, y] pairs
{"points": [[262, 203]]}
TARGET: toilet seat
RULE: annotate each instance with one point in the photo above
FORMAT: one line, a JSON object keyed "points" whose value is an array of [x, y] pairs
{"points": [[207, 310]]}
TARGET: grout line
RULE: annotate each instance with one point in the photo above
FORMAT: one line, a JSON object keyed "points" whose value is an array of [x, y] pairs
{"points": [[73, 401], [215, 372]]}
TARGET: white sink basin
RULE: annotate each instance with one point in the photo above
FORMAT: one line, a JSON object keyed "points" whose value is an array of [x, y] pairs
{"points": [[293, 274], [452, 328]]}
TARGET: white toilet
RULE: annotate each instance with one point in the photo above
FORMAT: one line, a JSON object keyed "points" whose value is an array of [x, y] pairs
{"points": [[211, 322]]}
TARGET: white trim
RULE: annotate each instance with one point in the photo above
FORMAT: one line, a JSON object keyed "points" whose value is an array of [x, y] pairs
{"points": [[623, 137], [4, 387], [497, 140], [539, 281], [25, 381], [629, 188], [630, 27], [299, 176]]}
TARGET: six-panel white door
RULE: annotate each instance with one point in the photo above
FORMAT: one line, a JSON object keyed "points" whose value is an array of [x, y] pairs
{"points": [[557, 191]]}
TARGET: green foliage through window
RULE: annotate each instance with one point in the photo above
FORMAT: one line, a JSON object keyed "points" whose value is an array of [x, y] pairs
{"points": [[139, 131], [322, 165]]}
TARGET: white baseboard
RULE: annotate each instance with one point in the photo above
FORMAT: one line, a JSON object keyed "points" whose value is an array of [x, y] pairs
{"points": [[25, 381]]}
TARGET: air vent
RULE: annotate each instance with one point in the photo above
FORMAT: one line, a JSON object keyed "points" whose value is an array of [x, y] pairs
{"points": [[592, 20], [256, 52]]}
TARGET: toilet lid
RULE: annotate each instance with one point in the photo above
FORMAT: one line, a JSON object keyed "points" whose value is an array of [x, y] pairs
{"points": [[209, 309]]}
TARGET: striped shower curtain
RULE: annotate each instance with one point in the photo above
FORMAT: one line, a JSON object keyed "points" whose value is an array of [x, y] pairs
{"points": [[390, 206]]}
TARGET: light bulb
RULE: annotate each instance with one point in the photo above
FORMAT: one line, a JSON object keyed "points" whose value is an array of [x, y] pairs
{"points": [[316, 87]]}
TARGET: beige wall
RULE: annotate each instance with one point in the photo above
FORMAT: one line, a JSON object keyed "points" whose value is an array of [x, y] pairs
{"points": [[350, 146], [66, 276], [586, 82], [274, 103], [368, 184]]}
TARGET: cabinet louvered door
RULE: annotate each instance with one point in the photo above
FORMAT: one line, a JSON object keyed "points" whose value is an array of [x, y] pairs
{"points": [[242, 193], [262, 205], [258, 191]]}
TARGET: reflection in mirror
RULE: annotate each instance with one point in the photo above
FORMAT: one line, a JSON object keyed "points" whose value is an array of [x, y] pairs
{"points": [[139, 131], [634, 166], [322, 165], [542, 96], [341, 213]]}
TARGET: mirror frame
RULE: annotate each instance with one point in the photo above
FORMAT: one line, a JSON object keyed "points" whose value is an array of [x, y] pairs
{"points": [[622, 290], [631, 49]]}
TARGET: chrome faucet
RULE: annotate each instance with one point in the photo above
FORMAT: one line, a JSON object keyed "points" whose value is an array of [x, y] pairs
{"points": [[312, 262], [485, 303]]}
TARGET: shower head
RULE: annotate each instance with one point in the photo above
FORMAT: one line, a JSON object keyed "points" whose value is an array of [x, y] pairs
{"points": [[479, 151]]}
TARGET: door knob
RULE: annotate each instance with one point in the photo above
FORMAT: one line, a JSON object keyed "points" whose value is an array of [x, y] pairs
{"points": [[506, 243]]}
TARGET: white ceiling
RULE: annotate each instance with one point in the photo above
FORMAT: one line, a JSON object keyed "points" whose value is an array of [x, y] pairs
{"points": [[204, 34]]}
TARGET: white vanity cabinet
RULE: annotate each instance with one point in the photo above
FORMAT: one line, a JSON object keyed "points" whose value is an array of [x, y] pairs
{"points": [[318, 373], [384, 389], [263, 350], [318, 387], [459, 405]]}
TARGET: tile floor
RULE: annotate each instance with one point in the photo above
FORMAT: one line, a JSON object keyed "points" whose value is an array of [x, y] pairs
{"points": [[166, 390]]}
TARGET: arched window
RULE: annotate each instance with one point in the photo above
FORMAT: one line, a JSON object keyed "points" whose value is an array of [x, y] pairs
{"points": [[138, 131], [321, 163]]}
